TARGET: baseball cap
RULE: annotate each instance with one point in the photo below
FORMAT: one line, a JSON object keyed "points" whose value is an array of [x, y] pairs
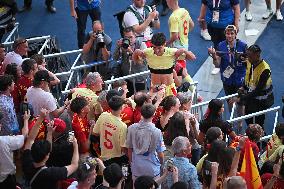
{"points": [[114, 92], [60, 125], [254, 48], [231, 27], [42, 75], [113, 174]]}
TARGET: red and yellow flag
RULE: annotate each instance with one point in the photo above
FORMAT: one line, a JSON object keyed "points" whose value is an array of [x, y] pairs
{"points": [[249, 170]]}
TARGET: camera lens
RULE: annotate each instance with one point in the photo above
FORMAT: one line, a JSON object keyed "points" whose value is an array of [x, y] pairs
{"points": [[125, 43]]}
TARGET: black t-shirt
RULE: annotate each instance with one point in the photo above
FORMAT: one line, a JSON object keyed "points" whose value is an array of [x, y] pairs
{"points": [[47, 178], [225, 126]]}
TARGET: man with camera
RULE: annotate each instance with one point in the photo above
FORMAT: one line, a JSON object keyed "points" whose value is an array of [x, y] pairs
{"points": [[97, 48], [124, 50], [229, 56], [142, 18]]}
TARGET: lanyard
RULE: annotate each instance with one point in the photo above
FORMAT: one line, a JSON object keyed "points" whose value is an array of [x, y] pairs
{"points": [[144, 13], [232, 53], [218, 4]]}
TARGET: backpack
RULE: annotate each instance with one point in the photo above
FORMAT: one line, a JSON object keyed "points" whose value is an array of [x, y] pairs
{"points": [[119, 16]]}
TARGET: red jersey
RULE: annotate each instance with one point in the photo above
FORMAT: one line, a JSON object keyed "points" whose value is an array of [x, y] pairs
{"points": [[81, 128]]}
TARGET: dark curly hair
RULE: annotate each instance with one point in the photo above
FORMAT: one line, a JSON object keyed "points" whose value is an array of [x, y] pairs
{"points": [[254, 132], [158, 39]]}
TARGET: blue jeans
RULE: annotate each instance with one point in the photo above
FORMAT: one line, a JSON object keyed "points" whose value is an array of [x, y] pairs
{"points": [[82, 15]]}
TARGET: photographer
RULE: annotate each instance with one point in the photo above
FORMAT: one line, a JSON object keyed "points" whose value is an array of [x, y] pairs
{"points": [[124, 50], [229, 56], [97, 48], [142, 18]]}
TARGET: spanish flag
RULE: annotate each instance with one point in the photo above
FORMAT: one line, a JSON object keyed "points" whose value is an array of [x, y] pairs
{"points": [[249, 170]]}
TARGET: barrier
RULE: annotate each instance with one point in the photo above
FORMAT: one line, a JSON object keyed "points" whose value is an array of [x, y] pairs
{"points": [[14, 34], [199, 107]]}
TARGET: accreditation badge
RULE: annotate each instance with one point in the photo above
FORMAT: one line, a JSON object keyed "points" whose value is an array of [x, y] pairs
{"points": [[215, 16], [228, 72]]}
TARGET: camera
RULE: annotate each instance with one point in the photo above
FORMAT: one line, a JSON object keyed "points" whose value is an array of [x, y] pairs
{"points": [[100, 39], [125, 43]]}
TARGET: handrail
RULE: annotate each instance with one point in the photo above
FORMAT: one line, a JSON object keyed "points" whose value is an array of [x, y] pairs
{"points": [[30, 39], [221, 98], [62, 53], [43, 46], [11, 33], [254, 114]]}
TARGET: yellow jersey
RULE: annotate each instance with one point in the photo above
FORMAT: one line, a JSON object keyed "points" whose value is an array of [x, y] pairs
{"points": [[179, 23], [112, 133]]}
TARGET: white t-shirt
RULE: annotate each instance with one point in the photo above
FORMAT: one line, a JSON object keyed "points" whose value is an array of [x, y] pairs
{"points": [[39, 99], [7, 145], [13, 57], [130, 20]]}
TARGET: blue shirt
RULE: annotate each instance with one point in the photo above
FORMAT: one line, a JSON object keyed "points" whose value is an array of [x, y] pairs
{"points": [[186, 173], [238, 76], [84, 5], [226, 13], [147, 163], [9, 122]]}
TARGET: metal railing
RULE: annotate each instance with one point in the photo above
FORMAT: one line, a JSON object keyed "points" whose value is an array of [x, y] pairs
{"points": [[199, 107], [14, 34]]}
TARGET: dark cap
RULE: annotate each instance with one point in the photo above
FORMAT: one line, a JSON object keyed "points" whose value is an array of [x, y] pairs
{"points": [[42, 75], [114, 92], [254, 48], [113, 174]]}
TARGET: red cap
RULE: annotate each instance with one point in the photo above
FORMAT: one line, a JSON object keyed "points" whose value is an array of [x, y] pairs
{"points": [[60, 125]]}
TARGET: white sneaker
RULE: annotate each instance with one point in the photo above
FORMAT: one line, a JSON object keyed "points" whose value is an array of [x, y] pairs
{"points": [[248, 16], [205, 35], [215, 71], [267, 13], [278, 15]]}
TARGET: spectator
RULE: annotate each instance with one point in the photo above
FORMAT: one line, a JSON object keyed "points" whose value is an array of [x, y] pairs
{"points": [[86, 174], [9, 122], [275, 180], [181, 148], [232, 66], [29, 68], [113, 176], [145, 145], [97, 48], [80, 10], [228, 14], [235, 182], [145, 182], [221, 154], [141, 24], [257, 92], [103, 101], [213, 117], [2, 55], [20, 47], [39, 96], [49, 6], [124, 50], [170, 105], [94, 84], [179, 185], [8, 144], [37, 153], [40, 60], [160, 60], [112, 132], [140, 98], [80, 124]]}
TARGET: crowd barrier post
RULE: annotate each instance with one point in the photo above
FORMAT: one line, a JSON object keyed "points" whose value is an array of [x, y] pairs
{"points": [[14, 34]]}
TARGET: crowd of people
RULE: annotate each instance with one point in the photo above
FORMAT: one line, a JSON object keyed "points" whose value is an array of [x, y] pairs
{"points": [[128, 136]]}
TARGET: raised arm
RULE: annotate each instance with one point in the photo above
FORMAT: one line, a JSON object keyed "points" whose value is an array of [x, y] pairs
{"points": [[138, 56]]}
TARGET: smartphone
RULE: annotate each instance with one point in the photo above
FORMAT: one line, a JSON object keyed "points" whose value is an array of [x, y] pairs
{"points": [[170, 165], [207, 167], [124, 169], [71, 136], [25, 107]]}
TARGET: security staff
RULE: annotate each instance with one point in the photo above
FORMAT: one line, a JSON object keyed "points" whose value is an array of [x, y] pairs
{"points": [[257, 93]]}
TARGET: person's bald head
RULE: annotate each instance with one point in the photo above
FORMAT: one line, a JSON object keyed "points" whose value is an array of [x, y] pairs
{"points": [[97, 26]]}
